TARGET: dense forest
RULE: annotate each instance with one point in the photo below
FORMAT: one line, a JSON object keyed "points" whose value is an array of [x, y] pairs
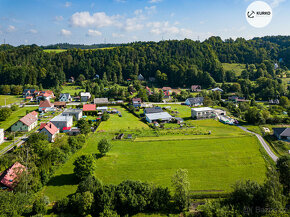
{"points": [[174, 63]]}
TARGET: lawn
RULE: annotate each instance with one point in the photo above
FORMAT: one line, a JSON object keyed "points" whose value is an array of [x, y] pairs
{"points": [[15, 116], [236, 67], [127, 122], [213, 164], [9, 99], [72, 89], [54, 50]]}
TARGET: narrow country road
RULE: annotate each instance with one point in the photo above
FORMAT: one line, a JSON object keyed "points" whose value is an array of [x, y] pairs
{"points": [[264, 144], [17, 143]]}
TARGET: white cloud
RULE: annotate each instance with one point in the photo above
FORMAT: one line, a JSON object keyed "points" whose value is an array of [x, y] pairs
{"points": [[116, 35], [155, 1], [65, 32], [121, 1], [138, 12], [165, 28], [11, 28], [92, 32], [33, 31], [58, 18], [99, 19], [133, 24], [276, 3], [67, 4], [150, 10]]}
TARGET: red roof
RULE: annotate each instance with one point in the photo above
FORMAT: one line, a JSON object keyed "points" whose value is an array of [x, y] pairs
{"points": [[42, 125], [29, 119], [89, 107], [34, 113], [138, 100], [45, 104], [9, 177], [166, 88], [66, 128], [51, 128]]}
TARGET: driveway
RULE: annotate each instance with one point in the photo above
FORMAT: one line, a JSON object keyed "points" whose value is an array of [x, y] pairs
{"points": [[264, 144]]}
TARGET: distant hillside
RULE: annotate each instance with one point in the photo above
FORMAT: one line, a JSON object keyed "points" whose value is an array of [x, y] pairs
{"points": [[67, 46]]}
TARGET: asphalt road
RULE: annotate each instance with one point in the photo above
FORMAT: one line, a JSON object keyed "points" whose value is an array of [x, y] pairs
{"points": [[264, 144]]}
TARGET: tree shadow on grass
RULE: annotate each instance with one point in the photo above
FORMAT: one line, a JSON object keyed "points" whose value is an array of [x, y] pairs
{"points": [[98, 156], [64, 179]]}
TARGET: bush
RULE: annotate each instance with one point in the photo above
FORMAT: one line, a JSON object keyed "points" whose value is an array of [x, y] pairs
{"points": [[14, 107], [105, 116], [39, 205], [5, 113]]}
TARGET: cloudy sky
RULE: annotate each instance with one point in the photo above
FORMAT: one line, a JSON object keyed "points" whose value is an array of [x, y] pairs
{"points": [[46, 22]]}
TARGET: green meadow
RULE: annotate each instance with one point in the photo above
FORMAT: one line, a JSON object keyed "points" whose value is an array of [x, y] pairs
{"points": [[15, 116], [215, 162], [9, 99], [236, 67]]}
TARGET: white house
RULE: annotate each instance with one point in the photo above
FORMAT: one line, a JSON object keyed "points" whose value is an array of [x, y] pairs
{"points": [[77, 113], [101, 101], [102, 109], [1, 136], [65, 97], [45, 106], [85, 96], [61, 121], [162, 116], [202, 113], [217, 89]]}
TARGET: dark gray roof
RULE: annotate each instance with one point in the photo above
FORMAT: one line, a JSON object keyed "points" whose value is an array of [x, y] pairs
{"points": [[282, 131], [153, 110], [195, 100]]}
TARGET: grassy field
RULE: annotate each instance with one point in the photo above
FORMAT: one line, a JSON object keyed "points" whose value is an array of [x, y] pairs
{"points": [[213, 164], [9, 99], [126, 122], [54, 50], [214, 161], [236, 67], [15, 116], [72, 89]]}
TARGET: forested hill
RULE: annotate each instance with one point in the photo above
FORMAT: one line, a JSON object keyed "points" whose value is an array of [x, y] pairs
{"points": [[174, 63], [79, 46]]}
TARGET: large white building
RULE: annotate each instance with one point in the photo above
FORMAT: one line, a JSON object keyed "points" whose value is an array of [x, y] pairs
{"points": [[1, 136], [203, 113]]}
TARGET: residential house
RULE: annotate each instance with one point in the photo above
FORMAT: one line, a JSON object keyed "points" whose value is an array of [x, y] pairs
{"points": [[89, 107], [45, 95], [77, 113], [141, 77], [102, 109], [11, 176], [59, 104], [26, 123], [195, 88], [196, 101], [65, 97], [101, 101], [167, 89], [74, 131], [29, 92], [61, 121], [152, 110], [45, 106], [220, 112], [203, 113], [85, 96], [1, 136], [50, 130], [217, 89], [29, 98], [161, 116], [282, 133], [136, 102]]}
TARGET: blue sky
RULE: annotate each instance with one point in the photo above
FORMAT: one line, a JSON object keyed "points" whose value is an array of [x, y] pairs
{"points": [[46, 22]]}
